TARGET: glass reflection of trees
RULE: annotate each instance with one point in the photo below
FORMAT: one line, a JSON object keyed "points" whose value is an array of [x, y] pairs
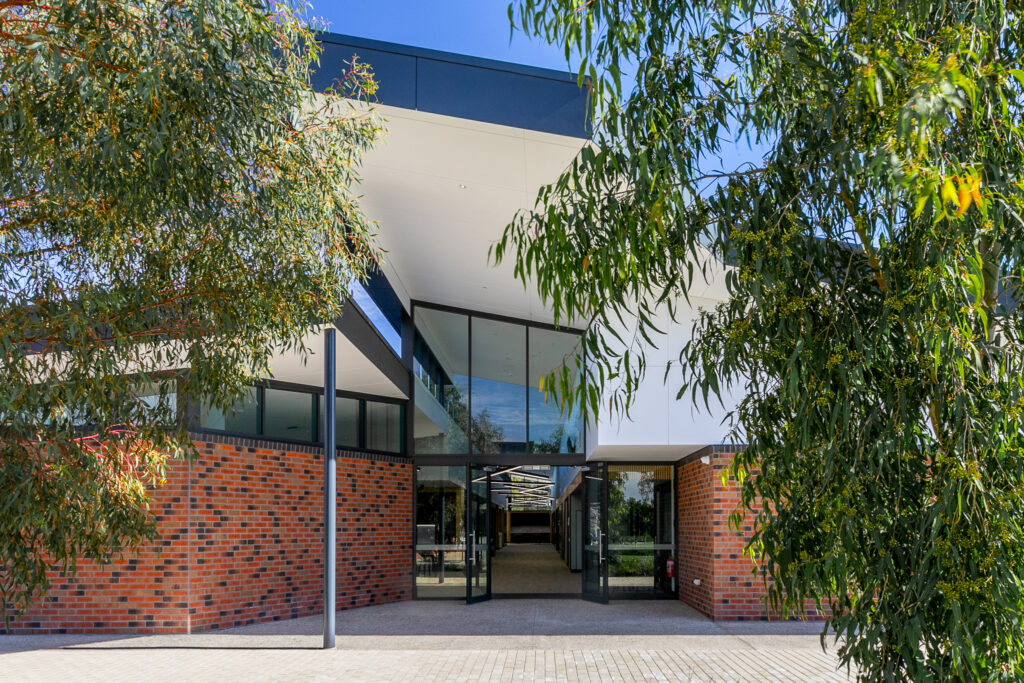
{"points": [[630, 519], [485, 434], [510, 413], [639, 527], [560, 440], [440, 531], [429, 505]]}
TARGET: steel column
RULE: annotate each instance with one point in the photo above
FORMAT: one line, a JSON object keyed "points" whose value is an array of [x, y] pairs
{"points": [[330, 491]]}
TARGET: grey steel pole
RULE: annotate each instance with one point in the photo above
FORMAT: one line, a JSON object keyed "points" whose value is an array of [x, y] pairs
{"points": [[330, 492]]}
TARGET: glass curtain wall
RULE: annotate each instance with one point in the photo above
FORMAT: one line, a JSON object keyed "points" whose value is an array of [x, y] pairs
{"points": [[498, 387], [551, 431], [477, 386], [441, 532], [441, 387], [640, 528]]}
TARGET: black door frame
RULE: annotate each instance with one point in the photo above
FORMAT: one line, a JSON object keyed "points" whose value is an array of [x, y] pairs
{"points": [[473, 532], [602, 595]]}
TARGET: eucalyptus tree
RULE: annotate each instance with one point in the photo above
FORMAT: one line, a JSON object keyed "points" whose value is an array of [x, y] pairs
{"points": [[873, 249], [176, 204]]}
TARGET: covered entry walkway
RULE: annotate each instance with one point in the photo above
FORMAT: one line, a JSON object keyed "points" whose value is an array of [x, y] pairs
{"points": [[532, 569]]}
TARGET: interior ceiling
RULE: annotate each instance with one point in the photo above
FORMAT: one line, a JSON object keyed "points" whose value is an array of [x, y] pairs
{"points": [[442, 190]]}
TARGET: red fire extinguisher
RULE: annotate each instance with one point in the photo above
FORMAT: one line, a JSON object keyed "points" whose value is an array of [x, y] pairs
{"points": [[670, 568]]}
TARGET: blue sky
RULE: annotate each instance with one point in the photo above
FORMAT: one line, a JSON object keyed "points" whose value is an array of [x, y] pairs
{"points": [[471, 27]]}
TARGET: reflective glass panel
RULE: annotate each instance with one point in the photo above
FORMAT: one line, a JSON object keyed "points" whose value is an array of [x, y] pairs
{"points": [[288, 415], [551, 430], [440, 532], [640, 528], [498, 387], [389, 329], [441, 384], [241, 419], [346, 423], [384, 427]]}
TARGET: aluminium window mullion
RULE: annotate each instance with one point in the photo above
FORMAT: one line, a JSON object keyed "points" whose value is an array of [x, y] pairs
{"points": [[315, 401], [261, 402], [361, 424]]}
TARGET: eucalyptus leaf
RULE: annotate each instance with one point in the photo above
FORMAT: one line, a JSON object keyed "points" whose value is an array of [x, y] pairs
{"points": [[873, 250]]}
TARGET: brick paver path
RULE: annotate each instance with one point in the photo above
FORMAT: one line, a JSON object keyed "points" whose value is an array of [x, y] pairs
{"points": [[514, 640], [179, 665]]}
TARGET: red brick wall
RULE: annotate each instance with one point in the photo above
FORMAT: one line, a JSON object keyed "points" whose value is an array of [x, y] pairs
{"points": [[374, 533], [144, 592], [712, 551], [738, 593], [241, 540], [694, 493], [709, 550]]}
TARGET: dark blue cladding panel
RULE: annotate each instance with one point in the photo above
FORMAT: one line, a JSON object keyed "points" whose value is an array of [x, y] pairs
{"points": [[503, 97], [465, 87], [395, 73]]}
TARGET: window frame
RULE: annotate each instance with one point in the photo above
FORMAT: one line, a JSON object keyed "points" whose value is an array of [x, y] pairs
{"points": [[316, 396]]}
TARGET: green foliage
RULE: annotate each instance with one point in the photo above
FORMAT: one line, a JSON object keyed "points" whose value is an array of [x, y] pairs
{"points": [[630, 520], [872, 321], [623, 564], [173, 197]]}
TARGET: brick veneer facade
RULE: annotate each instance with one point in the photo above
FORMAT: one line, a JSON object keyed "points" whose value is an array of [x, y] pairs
{"points": [[711, 551], [240, 542], [694, 495]]}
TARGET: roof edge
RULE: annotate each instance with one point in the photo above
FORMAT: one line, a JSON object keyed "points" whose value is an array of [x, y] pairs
{"points": [[451, 57]]}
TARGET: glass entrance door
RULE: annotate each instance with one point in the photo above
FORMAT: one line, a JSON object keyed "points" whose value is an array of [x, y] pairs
{"points": [[478, 528], [595, 534]]}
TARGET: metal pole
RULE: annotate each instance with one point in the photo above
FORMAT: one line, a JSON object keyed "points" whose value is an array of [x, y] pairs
{"points": [[330, 493]]}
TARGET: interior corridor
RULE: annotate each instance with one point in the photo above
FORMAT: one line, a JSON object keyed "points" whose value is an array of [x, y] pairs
{"points": [[532, 569]]}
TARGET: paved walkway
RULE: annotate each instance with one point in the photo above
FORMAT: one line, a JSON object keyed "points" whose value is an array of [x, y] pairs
{"points": [[505, 640], [532, 568]]}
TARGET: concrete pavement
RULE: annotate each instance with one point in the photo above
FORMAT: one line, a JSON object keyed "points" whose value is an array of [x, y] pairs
{"points": [[504, 640]]}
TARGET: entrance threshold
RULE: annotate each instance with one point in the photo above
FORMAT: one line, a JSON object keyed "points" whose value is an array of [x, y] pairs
{"points": [[537, 596]]}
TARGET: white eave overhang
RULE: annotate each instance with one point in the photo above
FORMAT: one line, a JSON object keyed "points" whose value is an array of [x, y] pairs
{"points": [[442, 190]]}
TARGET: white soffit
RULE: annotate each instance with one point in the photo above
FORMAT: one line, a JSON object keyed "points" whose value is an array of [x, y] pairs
{"points": [[442, 190], [643, 453], [353, 371]]}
